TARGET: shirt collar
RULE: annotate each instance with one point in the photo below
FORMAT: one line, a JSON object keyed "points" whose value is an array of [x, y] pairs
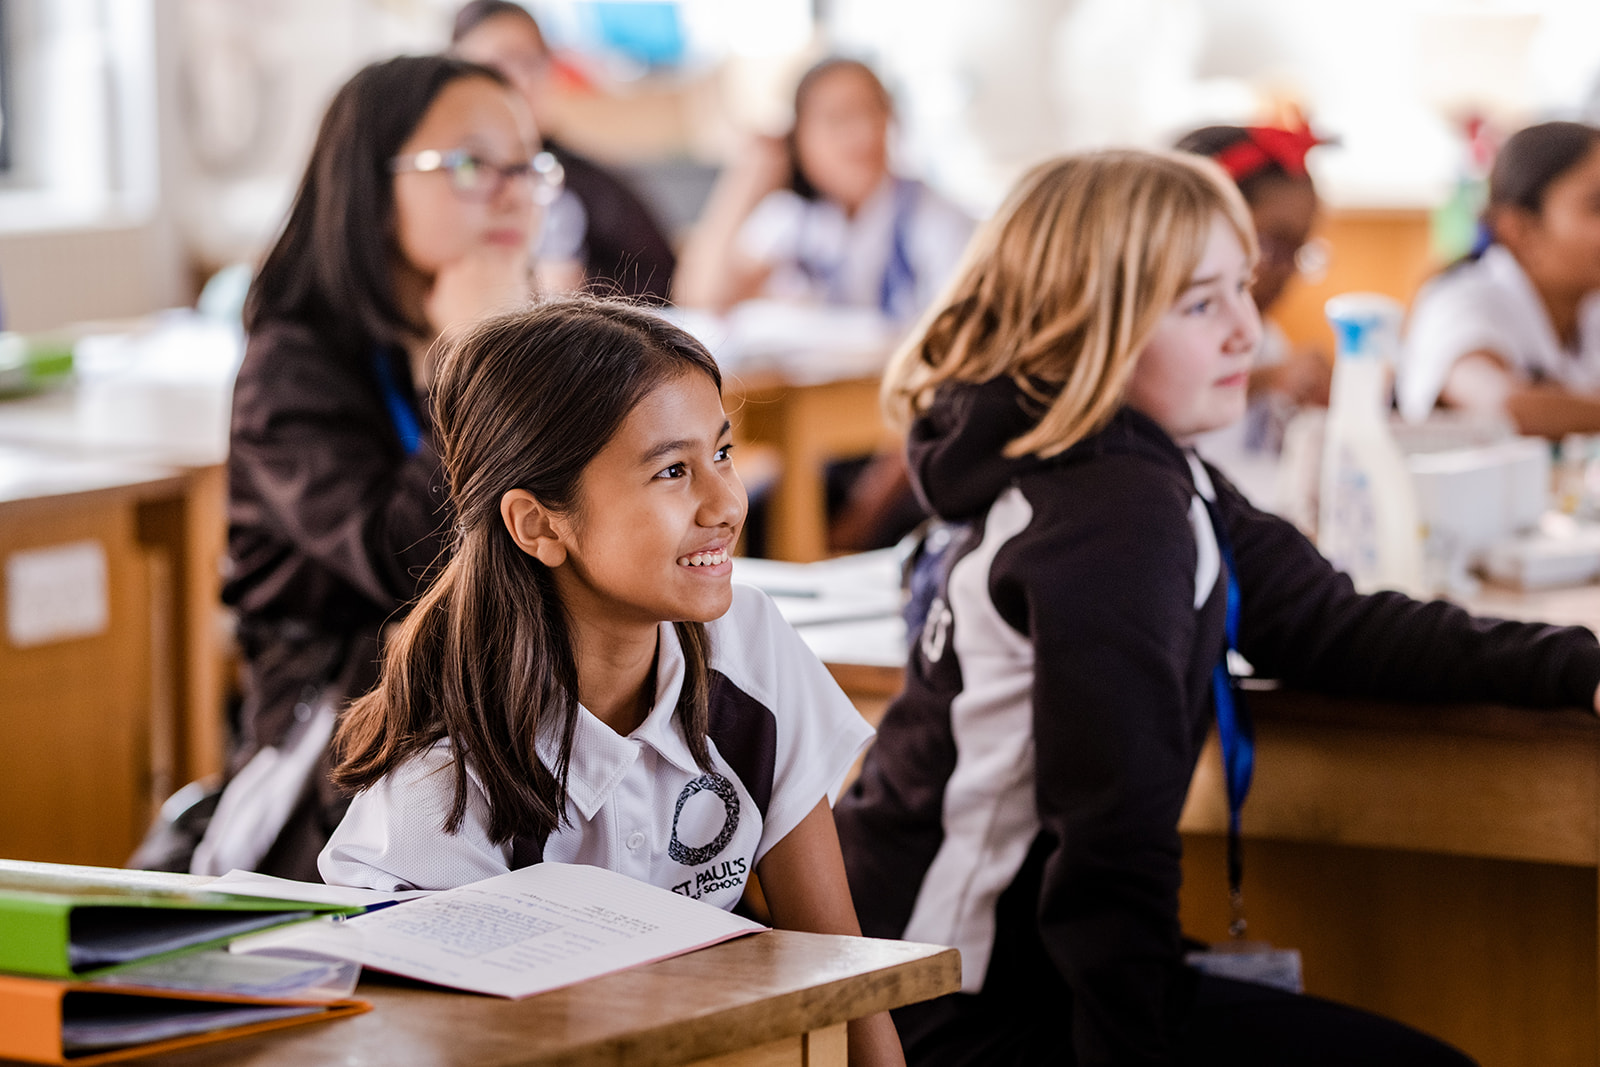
{"points": [[601, 758]]}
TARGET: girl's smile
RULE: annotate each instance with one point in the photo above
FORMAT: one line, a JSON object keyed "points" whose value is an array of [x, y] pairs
{"points": [[717, 560]]}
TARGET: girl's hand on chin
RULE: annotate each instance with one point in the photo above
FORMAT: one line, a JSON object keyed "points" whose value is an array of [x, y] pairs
{"points": [[488, 279]]}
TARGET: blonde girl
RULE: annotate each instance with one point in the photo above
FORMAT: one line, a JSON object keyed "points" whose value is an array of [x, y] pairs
{"points": [[1022, 799]]}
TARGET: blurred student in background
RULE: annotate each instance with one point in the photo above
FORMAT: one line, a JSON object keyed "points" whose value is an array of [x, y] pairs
{"points": [[599, 229], [415, 215], [1514, 329], [818, 217], [1269, 167]]}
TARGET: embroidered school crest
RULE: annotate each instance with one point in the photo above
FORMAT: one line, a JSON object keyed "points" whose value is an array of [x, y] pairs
{"points": [[723, 789]]}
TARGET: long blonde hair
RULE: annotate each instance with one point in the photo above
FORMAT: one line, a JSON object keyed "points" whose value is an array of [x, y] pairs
{"points": [[1063, 287]]}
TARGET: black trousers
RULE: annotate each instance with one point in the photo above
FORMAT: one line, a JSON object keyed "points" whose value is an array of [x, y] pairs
{"points": [[1236, 1024]]}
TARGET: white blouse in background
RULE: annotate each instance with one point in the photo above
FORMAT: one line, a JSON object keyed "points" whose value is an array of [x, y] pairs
{"points": [[819, 255], [1491, 305]]}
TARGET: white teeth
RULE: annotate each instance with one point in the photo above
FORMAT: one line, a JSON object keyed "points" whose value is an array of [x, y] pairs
{"points": [[704, 559]]}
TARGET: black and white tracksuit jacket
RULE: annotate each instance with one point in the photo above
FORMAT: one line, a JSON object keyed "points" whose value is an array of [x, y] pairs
{"points": [[1022, 799]]}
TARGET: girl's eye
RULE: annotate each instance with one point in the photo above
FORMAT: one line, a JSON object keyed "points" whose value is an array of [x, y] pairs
{"points": [[677, 470], [724, 453], [1199, 307]]}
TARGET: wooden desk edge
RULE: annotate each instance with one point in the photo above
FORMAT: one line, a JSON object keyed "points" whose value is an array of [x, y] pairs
{"points": [[934, 971], [594, 1014]]}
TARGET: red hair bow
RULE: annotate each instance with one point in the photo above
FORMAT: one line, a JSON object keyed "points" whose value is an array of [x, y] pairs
{"points": [[1266, 145]]}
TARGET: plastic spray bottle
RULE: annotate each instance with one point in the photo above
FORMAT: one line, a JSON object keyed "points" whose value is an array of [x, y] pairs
{"points": [[1368, 524]]}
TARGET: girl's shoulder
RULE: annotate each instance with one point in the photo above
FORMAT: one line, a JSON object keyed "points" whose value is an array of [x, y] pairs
{"points": [[935, 208], [1129, 467], [754, 649], [752, 626], [1472, 286], [284, 347]]}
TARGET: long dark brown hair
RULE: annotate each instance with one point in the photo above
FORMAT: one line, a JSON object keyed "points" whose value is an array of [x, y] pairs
{"points": [[333, 266], [522, 401]]}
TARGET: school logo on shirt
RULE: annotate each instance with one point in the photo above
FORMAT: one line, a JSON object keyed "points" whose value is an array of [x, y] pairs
{"points": [[693, 856]]}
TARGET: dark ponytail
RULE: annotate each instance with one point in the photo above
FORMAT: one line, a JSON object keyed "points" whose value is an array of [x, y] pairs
{"points": [[485, 658]]}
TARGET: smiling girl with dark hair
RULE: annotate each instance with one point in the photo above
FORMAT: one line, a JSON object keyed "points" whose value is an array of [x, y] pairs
{"points": [[584, 683]]}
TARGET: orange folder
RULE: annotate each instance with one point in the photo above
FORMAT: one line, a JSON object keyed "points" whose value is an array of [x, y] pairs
{"points": [[35, 1011]]}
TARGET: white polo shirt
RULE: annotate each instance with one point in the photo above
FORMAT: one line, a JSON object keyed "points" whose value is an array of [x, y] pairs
{"points": [[639, 805], [1491, 305], [819, 255]]}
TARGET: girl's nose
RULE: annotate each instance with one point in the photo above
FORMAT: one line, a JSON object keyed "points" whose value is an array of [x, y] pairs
{"points": [[724, 502]]}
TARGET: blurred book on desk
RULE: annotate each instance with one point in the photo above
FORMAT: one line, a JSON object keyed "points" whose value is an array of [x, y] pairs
{"points": [[62, 921]]}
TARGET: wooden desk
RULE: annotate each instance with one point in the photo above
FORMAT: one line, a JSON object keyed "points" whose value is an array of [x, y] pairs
{"points": [[776, 998], [809, 424], [1439, 864], [88, 724], [162, 399]]}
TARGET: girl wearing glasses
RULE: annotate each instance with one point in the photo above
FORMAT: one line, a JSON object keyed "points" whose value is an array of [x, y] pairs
{"points": [[1514, 329], [414, 215], [599, 233]]}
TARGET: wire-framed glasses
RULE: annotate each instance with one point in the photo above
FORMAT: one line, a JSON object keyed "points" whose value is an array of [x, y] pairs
{"points": [[474, 178]]}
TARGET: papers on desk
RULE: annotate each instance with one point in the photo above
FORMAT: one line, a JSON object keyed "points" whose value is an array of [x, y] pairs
{"points": [[861, 586], [525, 932], [254, 884]]}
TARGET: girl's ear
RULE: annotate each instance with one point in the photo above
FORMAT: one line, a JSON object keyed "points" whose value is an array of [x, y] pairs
{"points": [[1512, 226], [533, 527]]}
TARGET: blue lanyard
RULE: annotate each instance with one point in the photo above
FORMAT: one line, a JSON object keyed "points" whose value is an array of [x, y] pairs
{"points": [[897, 291], [1233, 727], [401, 410]]}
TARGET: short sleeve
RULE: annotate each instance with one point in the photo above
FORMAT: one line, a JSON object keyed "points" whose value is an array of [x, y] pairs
{"points": [[771, 233], [1454, 315], [393, 837], [819, 732], [940, 234]]}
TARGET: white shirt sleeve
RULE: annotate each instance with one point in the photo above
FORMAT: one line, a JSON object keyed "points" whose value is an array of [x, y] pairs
{"points": [[771, 233], [939, 234], [393, 837], [820, 733], [1455, 314]]}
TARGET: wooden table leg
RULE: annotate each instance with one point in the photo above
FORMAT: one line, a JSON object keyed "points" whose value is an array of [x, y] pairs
{"points": [[810, 425], [191, 529]]}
